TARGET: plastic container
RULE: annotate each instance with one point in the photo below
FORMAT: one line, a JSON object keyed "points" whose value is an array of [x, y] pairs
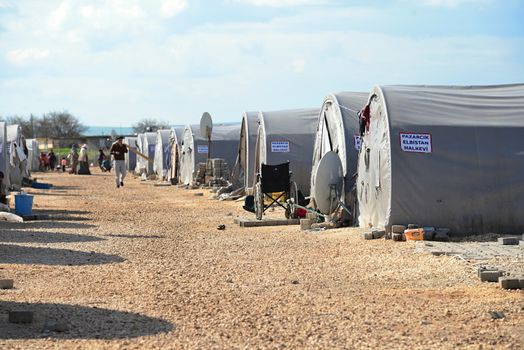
{"points": [[415, 234], [41, 185], [23, 204]]}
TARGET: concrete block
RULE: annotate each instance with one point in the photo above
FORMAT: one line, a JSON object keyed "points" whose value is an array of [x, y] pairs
{"points": [[6, 284], [509, 283], [397, 237], [398, 228], [486, 268], [490, 276], [311, 216], [508, 240], [378, 234], [20, 316], [305, 224], [367, 235]]}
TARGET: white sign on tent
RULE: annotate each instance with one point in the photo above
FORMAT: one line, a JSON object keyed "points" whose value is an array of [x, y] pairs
{"points": [[414, 142], [279, 146]]}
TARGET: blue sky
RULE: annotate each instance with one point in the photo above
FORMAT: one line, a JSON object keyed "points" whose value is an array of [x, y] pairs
{"points": [[115, 62]]}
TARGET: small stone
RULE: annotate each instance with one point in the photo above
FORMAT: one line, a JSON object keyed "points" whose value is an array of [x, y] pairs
{"points": [[199, 194], [424, 322], [221, 227], [6, 284], [229, 280], [20, 316], [508, 240], [295, 282], [496, 315], [509, 283]]}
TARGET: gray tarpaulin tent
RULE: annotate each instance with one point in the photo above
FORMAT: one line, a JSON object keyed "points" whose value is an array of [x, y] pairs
{"points": [[224, 144], [245, 163], [175, 143], [444, 156], [162, 153], [4, 156], [17, 156], [148, 149], [33, 157], [288, 135], [130, 156], [337, 130]]}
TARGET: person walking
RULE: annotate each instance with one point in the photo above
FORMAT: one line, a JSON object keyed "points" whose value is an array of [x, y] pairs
{"points": [[118, 150], [73, 156], [52, 160]]}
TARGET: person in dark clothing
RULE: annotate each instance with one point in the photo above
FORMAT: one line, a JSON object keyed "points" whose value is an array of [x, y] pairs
{"points": [[101, 158], [52, 160], [118, 151]]}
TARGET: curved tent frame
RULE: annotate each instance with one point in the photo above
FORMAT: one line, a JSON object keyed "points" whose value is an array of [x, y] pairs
{"points": [[162, 153], [140, 162], [337, 131], [175, 143], [149, 148], [447, 156], [131, 158], [287, 135], [245, 163]]}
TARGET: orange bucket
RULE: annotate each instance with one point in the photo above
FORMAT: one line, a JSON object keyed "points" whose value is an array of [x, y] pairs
{"points": [[415, 234]]}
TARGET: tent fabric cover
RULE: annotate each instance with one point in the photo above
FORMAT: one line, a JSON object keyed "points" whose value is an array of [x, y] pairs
{"points": [[149, 147], [224, 144], [140, 162], [130, 156], [17, 158], [472, 181], [338, 131], [245, 163], [162, 153], [175, 141], [4, 156], [287, 135]]}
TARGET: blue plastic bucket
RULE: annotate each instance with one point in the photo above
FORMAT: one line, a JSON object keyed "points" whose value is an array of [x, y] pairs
{"points": [[23, 204]]}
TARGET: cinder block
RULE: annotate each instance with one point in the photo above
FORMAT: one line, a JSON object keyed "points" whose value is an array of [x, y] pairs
{"points": [[20, 316], [305, 224], [397, 237], [486, 268], [509, 283], [508, 240], [367, 235], [6, 284], [398, 228], [490, 276], [378, 234]]}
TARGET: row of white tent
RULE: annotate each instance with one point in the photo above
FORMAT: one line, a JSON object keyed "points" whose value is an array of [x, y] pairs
{"points": [[448, 156], [16, 155]]}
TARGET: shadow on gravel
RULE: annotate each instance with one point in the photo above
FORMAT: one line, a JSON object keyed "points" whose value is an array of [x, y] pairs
{"points": [[45, 224], [64, 188], [81, 322], [60, 212], [61, 194], [133, 236], [19, 236], [14, 254]]}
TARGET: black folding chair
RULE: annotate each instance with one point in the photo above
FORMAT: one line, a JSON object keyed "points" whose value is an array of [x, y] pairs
{"points": [[274, 179]]}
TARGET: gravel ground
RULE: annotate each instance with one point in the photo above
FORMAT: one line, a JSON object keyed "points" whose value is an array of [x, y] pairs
{"points": [[145, 267]]}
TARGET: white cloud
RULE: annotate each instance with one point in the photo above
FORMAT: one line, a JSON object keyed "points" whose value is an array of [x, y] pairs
{"points": [[171, 8], [283, 3], [453, 3], [58, 16], [298, 65], [22, 56]]}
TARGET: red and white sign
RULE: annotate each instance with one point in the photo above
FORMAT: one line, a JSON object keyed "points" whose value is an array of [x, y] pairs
{"points": [[415, 142]]}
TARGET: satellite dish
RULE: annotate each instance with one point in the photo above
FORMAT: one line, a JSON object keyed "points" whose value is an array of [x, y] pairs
{"points": [[206, 126], [328, 183]]}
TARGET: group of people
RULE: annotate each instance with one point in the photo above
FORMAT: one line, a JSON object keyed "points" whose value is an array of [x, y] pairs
{"points": [[79, 160], [49, 161]]}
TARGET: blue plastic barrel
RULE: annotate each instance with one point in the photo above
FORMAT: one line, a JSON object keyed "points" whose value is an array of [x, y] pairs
{"points": [[23, 204]]}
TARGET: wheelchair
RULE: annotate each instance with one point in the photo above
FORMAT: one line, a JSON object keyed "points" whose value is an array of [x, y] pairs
{"points": [[274, 185]]}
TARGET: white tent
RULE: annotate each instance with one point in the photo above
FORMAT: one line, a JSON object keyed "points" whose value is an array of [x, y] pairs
{"points": [[17, 152], [445, 156], [4, 155], [162, 153], [33, 156], [148, 149], [130, 156], [140, 162], [175, 143], [337, 131], [245, 163], [194, 150], [288, 135]]}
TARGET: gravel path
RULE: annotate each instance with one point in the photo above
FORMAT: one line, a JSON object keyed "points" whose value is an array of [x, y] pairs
{"points": [[145, 267]]}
